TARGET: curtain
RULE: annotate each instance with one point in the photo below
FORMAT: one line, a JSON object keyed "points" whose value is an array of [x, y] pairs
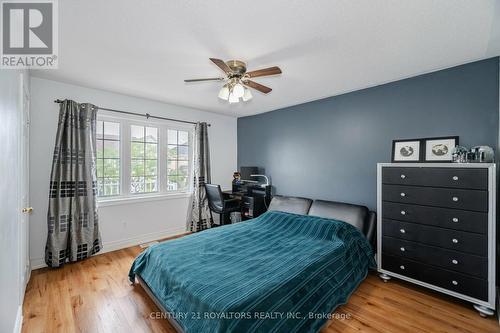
{"points": [[201, 217], [73, 232]]}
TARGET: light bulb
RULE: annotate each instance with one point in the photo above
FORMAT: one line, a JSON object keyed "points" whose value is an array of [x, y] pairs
{"points": [[238, 90], [233, 98], [247, 95], [224, 93]]}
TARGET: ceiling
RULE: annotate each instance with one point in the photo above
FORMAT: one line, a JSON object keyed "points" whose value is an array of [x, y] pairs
{"points": [[324, 47]]}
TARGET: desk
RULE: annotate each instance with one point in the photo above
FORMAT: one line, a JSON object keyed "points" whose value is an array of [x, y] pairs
{"points": [[234, 195], [252, 203]]}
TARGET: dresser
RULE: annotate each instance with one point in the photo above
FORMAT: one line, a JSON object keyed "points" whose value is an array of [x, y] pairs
{"points": [[436, 228]]}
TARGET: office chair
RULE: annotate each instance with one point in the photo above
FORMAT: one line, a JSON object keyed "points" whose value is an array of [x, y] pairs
{"points": [[218, 204]]}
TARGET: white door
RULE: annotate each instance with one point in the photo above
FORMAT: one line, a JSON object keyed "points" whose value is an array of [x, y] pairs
{"points": [[24, 105]]}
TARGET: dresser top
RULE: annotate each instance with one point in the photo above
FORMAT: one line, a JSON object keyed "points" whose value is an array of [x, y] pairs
{"points": [[439, 165]]}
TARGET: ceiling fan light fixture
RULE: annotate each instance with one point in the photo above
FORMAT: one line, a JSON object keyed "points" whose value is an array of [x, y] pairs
{"points": [[233, 98], [224, 92], [238, 80], [247, 95], [238, 90]]}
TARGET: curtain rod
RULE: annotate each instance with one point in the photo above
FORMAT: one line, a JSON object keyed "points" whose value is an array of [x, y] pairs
{"points": [[147, 115]]}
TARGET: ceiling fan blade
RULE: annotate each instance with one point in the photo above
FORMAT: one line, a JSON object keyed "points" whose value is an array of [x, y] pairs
{"points": [[208, 79], [264, 72], [257, 86], [222, 65]]}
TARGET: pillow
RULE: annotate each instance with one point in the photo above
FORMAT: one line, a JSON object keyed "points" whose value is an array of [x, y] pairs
{"points": [[290, 204]]}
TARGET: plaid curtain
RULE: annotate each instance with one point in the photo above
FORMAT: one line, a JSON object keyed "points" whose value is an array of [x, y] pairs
{"points": [[201, 217], [73, 232]]}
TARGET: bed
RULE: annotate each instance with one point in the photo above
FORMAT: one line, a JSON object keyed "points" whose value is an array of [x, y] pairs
{"points": [[285, 271]]}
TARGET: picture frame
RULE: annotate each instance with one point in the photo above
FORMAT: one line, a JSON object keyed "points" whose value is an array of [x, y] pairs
{"points": [[439, 149], [407, 150]]}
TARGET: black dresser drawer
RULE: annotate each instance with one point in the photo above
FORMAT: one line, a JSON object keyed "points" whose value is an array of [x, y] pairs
{"points": [[457, 261], [449, 239], [440, 217], [436, 196], [450, 280], [466, 178]]}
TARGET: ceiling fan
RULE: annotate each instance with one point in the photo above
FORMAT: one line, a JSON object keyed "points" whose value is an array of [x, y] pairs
{"points": [[238, 80]]}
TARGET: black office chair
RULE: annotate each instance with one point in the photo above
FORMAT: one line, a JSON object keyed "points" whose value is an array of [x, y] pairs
{"points": [[220, 205]]}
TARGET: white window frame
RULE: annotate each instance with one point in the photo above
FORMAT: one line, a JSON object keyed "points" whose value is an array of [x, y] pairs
{"points": [[158, 158], [163, 126], [120, 154]]}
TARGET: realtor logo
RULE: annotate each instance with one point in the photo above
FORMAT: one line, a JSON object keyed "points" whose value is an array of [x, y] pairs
{"points": [[29, 34]]}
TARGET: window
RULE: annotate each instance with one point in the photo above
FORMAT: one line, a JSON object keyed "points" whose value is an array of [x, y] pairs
{"points": [[108, 158], [144, 159], [137, 158], [177, 160]]}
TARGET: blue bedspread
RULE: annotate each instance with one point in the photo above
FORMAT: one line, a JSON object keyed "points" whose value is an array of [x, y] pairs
{"points": [[279, 272]]}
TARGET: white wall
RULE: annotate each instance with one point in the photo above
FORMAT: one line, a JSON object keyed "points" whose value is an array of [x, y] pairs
{"points": [[124, 224], [10, 166]]}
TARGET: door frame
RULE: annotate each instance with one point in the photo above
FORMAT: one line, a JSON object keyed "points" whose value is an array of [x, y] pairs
{"points": [[23, 181]]}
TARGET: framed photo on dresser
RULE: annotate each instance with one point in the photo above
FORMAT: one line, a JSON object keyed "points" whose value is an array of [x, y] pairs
{"points": [[439, 149], [407, 150]]}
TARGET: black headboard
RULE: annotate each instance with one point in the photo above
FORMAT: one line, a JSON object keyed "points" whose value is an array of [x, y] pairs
{"points": [[359, 216], [294, 205]]}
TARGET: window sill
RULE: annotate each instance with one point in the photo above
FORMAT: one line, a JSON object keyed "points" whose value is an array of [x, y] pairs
{"points": [[104, 202]]}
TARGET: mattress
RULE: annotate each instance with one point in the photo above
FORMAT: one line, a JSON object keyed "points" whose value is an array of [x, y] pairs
{"points": [[280, 272]]}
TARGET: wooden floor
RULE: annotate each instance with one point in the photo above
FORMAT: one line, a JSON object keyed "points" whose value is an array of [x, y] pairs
{"points": [[95, 296]]}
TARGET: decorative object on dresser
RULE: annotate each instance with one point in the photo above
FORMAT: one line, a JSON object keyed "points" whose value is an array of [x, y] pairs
{"points": [[478, 154], [436, 228], [440, 149], [482, 154], [460, 154]]}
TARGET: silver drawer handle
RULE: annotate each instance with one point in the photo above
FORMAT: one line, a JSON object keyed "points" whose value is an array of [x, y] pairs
{"points": [[402, 249], [403, 212], [403, 194], [403, 176], [454, 240], [402, 267], [402, 231], [454, 262], [454, 199], [455, 178], [455, 219], [455, 283]]}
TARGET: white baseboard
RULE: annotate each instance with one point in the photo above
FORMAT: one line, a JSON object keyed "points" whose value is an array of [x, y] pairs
{"points": [[37, 263], [124, 243], [19, 320]]}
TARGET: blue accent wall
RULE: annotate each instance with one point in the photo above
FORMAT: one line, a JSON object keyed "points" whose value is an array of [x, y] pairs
{"points": [[328, 149]]}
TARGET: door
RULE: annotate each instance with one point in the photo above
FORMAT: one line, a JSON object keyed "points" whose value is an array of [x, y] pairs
{"points": [[25, 209], [13, 223]]}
